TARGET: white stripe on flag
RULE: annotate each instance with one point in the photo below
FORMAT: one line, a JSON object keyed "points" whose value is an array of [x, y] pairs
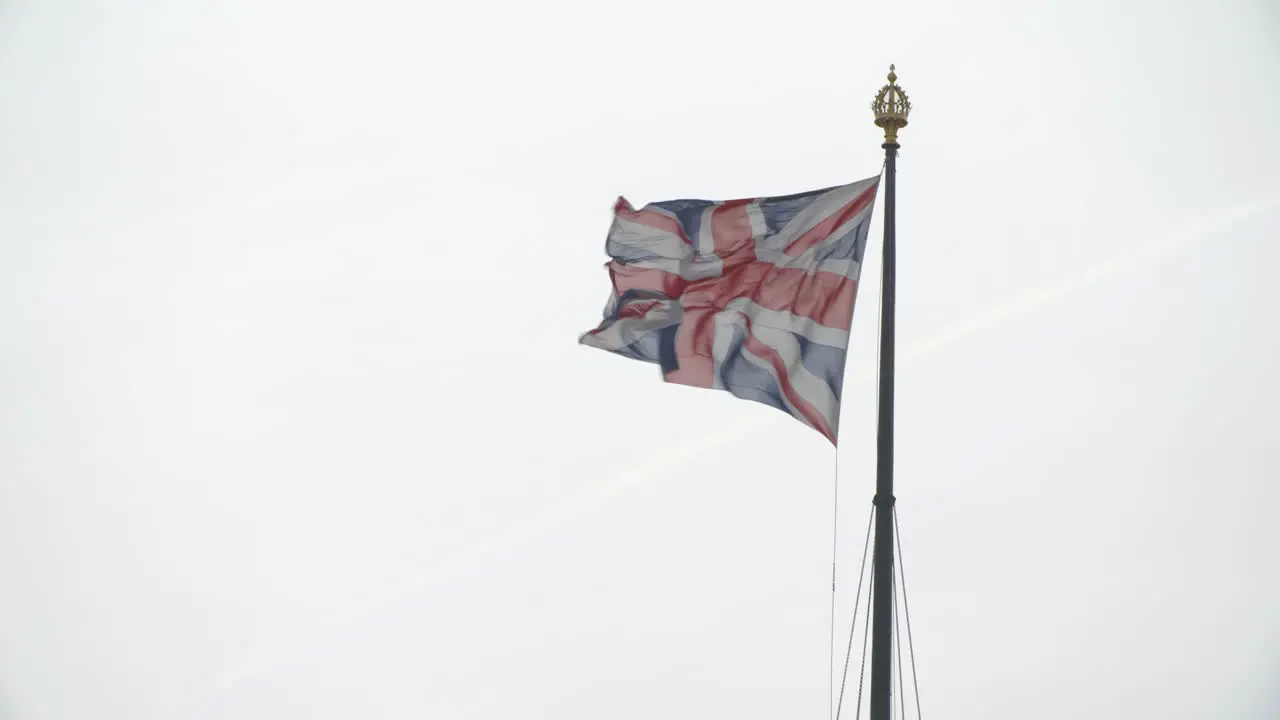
{"points": [[806, 327], [810, 387], [648, 239], [706, 237]]}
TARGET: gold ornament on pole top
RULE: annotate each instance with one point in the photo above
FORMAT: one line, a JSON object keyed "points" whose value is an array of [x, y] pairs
{"points": [[891, 107]]}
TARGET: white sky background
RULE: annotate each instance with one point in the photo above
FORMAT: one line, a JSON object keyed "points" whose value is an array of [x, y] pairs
{"points": [[293, 421]]}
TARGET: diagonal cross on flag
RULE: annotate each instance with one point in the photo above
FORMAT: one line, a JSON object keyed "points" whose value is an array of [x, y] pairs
{"points": [[751, 296]]}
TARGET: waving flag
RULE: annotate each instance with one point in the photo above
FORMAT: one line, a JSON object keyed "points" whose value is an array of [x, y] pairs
{"points": [[751, 296]]}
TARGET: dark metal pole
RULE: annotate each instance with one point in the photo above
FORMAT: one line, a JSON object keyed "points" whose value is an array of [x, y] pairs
{"points": [[882, 593], [891, 108]]}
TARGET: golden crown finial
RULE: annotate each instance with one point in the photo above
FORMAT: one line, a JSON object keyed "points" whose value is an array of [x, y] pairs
{"points": [[891, 108]]}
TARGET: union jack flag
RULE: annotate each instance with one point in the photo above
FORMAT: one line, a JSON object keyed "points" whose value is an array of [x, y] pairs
{"points": [[751, 296]]}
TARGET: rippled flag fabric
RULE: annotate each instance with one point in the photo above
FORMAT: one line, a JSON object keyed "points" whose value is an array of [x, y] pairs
{"points": [[750, 296]]}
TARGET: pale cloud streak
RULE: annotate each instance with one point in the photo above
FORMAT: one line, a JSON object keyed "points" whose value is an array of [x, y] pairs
{"points": [[1188, 233]]}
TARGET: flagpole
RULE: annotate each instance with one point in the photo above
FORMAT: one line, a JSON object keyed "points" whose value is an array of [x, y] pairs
{"points": [[891, 107]]}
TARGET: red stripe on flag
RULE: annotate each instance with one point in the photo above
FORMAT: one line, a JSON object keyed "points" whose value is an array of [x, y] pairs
{"points": [[694, 336], [730, 226], [825, 297], [823, 230], [637, 309]]}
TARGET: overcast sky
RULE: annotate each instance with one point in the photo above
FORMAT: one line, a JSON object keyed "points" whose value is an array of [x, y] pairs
{"points": [[294, 422]]}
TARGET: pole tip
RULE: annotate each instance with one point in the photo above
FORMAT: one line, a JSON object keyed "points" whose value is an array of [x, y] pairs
{"points": [[891, 107]]}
